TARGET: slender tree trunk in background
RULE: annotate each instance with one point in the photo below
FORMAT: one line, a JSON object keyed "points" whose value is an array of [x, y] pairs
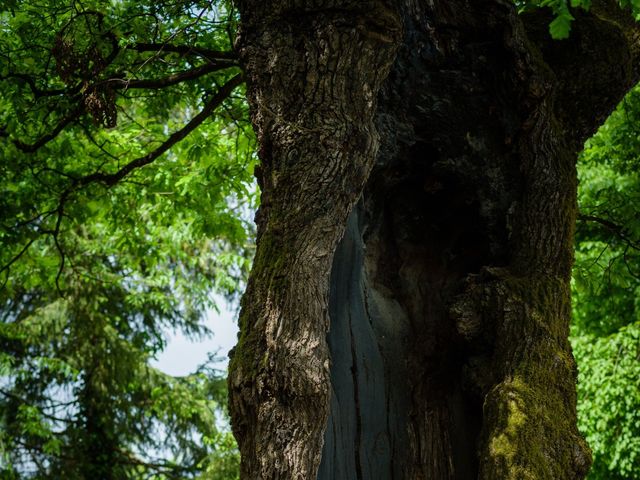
{"points": [[431, 342], [98, 448]]}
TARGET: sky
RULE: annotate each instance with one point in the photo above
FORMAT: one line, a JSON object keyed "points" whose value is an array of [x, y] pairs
{"points": [[182, 355]]}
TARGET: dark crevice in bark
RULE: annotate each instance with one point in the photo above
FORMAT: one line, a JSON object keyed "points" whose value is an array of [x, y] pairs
{"points": [[406, 265], [356, 402], [435, 211], [439, 211]]}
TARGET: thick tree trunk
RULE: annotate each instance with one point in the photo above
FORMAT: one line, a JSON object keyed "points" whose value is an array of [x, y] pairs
{"points": [[445, 315], [313, 77]]}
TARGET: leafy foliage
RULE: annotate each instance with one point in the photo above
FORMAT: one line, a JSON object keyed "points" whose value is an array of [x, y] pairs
{"points": [[609, 407], [560, 26], [606, 292], [127, 165]]}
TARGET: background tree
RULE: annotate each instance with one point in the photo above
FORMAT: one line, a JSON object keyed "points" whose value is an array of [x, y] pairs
{"points": [[605, 292], [101, 258]]}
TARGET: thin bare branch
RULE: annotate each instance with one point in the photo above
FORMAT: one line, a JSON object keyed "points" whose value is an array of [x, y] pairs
{"points": [[37, 91], [619, 230], [17, 257]]}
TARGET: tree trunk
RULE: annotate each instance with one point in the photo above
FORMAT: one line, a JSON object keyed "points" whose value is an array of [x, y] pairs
{"points": [[313, 77], [444, 310]]}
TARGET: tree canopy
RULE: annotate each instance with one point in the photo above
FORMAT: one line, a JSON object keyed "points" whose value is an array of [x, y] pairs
{"points": [[101, 257]]}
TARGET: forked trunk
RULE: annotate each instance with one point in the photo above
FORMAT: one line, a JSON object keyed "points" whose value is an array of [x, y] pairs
{"points": [[431, 342]]}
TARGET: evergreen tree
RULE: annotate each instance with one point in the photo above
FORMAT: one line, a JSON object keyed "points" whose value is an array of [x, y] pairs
{"points": [[101, 257]]}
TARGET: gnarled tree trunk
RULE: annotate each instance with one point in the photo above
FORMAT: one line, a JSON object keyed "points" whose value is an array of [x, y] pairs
{"points": [[313, 79], [431, 342]]}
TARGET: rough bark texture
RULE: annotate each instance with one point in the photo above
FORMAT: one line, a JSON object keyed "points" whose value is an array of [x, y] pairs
{"points": [[313, 77], [448, 297]]}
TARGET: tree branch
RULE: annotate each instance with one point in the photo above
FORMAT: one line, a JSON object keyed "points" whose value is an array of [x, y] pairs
{"points": [[17, 257], [119, 83], [110, 179], [168, 80], [619, 230], [165, 467], [113, 178], [62, 124], [207, 54], [24, 401], [38, 92]]}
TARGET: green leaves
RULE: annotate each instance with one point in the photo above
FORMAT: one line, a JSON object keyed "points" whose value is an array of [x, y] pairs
{"points": [[560, 26], [606, 293], [94, 273], [609, 407]]}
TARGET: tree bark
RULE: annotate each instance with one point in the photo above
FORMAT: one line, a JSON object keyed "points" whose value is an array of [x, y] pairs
{"points": [[431, 342], [313, 76]]}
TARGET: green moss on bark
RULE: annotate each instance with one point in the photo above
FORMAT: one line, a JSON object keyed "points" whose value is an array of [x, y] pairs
{"points": [[530, 414]]}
